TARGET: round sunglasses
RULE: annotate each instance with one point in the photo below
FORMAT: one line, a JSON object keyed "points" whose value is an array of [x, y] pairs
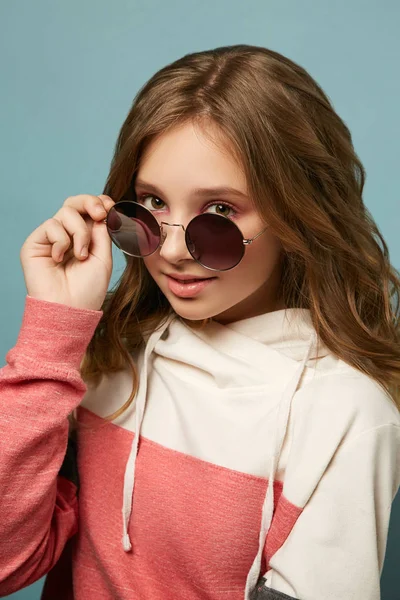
{"points": [[214, 241]]}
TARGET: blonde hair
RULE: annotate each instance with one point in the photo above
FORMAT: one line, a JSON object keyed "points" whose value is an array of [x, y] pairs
{"points": [[306, 181]]}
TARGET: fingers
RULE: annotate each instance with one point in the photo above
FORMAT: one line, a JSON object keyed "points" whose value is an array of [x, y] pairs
{"points": [[95, 206], [77, 228], [72, 217], [72, 226], [58, 238]]}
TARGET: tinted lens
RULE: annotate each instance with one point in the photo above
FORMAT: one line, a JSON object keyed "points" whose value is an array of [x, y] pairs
{"points": [[215, 241], [133, 228]]}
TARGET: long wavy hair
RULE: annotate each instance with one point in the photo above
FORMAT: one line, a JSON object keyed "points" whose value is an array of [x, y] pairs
{"points": [[306, 181]]}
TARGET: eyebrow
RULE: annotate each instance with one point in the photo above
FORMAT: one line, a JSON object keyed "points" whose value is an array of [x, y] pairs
{"points": [[200, 192]]}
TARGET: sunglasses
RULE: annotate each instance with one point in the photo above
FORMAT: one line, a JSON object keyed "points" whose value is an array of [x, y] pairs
{"points": [[214, 241]]}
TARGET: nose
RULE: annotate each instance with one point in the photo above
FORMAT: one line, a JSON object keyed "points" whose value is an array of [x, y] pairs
{"points": [[173, 246]]}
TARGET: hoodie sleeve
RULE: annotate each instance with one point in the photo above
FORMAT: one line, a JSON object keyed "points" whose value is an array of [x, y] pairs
{"points": [[39, 387], [328, 536]]}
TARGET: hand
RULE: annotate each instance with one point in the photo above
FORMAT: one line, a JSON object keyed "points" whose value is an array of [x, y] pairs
{"points": [[54, 268]]}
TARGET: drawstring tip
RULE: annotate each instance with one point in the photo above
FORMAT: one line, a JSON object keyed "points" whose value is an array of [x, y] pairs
{"points": [[126, 543]]}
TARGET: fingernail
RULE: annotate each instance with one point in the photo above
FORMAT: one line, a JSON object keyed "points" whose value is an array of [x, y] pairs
{"points": [[84, 251]]}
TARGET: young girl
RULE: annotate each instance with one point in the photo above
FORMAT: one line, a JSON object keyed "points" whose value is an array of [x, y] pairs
{"points": [[225, 422]]}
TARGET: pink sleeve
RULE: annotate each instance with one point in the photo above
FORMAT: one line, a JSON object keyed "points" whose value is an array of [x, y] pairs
{"points": [[39, 386]]}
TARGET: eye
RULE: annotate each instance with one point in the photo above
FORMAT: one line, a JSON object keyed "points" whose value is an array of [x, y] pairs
{"points": [[223, 209], [153, 203]]}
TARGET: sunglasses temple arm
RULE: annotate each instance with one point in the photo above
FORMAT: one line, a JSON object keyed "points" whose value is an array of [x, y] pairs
{"points": [[249, 241]]}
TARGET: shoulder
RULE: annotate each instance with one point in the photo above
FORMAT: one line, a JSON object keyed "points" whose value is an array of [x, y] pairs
{"points": [[330, 414], [346, 398]]}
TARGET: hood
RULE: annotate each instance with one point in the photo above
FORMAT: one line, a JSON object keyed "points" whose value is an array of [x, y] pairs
{"points": [[228, 354]]}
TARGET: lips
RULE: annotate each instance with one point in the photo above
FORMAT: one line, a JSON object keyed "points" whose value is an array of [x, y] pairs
{"points": [[188, 288], [186, 278]]}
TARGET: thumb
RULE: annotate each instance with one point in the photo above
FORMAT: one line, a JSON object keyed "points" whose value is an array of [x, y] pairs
{"points": [[101, 244]]}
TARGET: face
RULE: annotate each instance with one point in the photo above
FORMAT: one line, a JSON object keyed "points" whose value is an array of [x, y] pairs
{"points": [[175, 166]]}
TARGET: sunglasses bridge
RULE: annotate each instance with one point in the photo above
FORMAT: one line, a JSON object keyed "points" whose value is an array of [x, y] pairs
{"points": [[163, 234]]}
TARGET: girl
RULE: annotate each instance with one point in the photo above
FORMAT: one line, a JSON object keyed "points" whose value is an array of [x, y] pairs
{"points": [[232, 406]]}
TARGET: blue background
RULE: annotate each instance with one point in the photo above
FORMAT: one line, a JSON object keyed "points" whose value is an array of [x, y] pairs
{"points": [[69, 71]]}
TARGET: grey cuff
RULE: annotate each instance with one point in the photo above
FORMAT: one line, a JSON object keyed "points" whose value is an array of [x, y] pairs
{"points": [[261, 592]]}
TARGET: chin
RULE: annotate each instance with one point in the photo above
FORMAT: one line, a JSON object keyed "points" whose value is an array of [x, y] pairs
{"points": [[191, 309]]}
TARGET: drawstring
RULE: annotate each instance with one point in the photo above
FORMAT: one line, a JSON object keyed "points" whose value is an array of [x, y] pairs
{"points": [[129, 479], [279, 436]]}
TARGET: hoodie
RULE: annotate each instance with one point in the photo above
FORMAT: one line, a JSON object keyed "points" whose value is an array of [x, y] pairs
{"points": [[252, 464]]}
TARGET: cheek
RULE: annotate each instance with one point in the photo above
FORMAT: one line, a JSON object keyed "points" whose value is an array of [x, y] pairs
{"points": [[259, 261]]}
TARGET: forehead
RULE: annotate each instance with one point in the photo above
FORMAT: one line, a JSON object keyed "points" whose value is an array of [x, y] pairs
{"points": [[189, 155]]}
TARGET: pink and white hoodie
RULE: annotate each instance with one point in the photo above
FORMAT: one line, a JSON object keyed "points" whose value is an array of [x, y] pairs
{"points": [[253, 464]]}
